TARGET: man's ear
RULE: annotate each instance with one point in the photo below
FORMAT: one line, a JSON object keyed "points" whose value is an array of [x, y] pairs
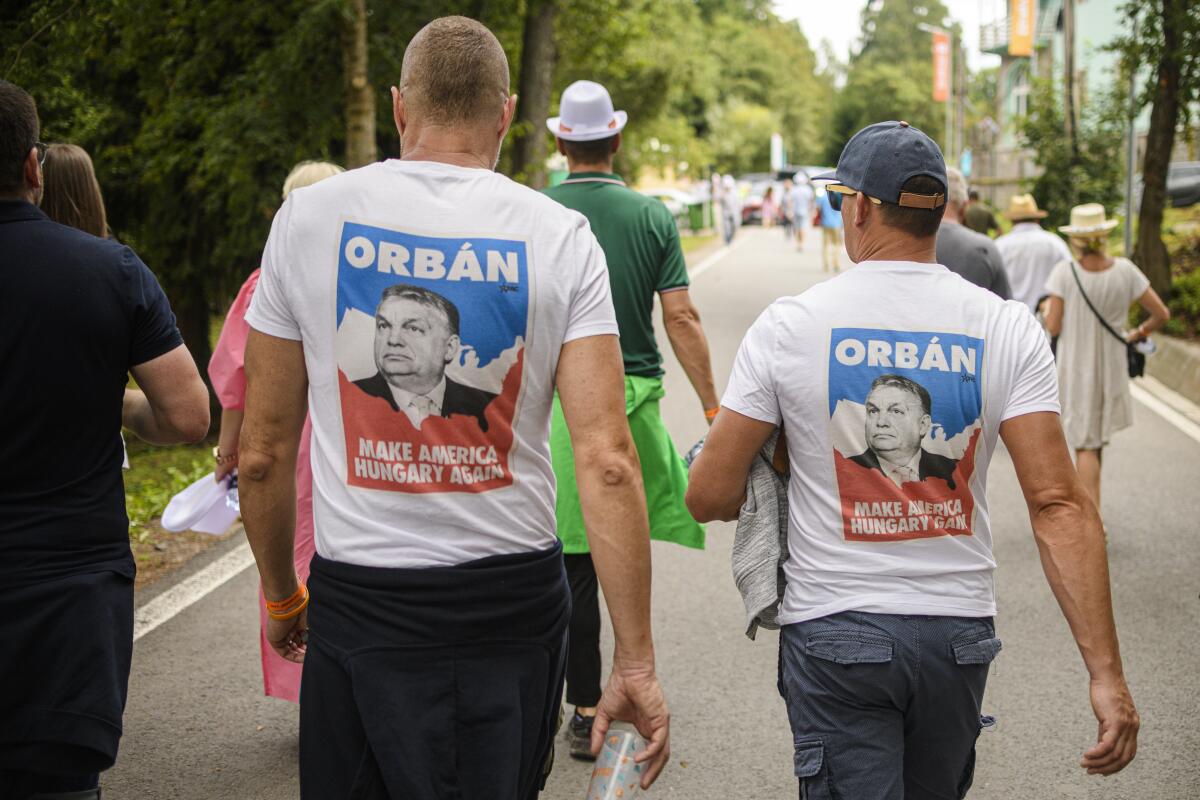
{"points": [[862, 210], [506, 118], [453, 347], [32, 170], [558, 143], [616, 144], [399, 113]]}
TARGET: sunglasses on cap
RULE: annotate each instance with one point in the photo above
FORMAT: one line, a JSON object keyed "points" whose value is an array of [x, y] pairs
{"points": [[834, 192]]}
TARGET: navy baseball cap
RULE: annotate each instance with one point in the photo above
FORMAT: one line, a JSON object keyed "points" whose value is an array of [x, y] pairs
{"points": [[881, 157]]}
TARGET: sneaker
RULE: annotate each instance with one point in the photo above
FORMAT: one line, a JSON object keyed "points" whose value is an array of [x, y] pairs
{"points": [[579, 737]]}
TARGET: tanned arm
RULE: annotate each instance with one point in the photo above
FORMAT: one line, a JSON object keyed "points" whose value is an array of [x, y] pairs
{"points": [[1070, 540], [609, 476], [682, 323], [276, 404], [171, 405]]}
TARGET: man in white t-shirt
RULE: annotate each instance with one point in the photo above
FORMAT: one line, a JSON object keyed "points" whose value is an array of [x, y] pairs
{"points": [[1029, 251], [432, 285], [887, 615]]}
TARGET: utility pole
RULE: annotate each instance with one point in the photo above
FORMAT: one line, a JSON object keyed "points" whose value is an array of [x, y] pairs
{"points": [[1069, 116], [1131, 149]]}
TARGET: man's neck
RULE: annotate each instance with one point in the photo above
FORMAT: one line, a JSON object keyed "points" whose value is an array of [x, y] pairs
{"points": [[446, 146], [893, 248], [605, 167], [19, 197]]}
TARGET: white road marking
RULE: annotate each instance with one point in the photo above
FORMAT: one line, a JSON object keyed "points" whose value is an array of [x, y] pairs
{"points": [[1165, 411], [707, 263], [191, 590]]}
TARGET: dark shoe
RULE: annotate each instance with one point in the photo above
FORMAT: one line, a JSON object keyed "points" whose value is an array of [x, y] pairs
{"points": [[579, 737]]}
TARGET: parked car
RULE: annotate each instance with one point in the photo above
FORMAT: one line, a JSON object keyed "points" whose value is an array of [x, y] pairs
{"points": [[752, 187], [1183, 185], [676, 200]]}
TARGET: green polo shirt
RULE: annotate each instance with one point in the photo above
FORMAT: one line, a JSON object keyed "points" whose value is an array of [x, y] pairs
{"points": [[641, 244]]}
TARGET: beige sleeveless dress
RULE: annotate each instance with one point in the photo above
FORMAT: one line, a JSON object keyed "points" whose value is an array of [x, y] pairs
{"points": [[1093, 377]]}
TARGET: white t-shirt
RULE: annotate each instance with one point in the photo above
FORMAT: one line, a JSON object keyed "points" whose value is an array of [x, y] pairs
{"points": [[887, 500], [488, 280], [1029, 254]]}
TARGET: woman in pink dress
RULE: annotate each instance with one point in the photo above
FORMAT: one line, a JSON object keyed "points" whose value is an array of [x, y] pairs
{"points": [[281, 678]]}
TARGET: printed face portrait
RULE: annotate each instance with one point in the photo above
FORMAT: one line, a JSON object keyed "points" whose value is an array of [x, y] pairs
{"points": [[896, 423], [413, 343]]}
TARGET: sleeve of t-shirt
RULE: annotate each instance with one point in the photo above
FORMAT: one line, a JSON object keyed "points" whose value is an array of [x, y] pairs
{"points": [[591, 309], [999, 276], [154, 330], [1034, 379], [751, 389], [1138, 282], [270, 310], [1060, 276], [673, 269]]}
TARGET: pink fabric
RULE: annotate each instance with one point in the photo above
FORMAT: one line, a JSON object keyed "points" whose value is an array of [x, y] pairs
{"points": [[281, 678], [226, 368]]}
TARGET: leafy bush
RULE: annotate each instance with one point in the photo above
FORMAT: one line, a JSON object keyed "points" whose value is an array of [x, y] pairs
{"points": [[157, 474]]}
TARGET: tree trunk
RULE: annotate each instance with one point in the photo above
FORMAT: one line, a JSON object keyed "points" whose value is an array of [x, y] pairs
{"points": [[1150, 253], [538, 56], [360, 99]]}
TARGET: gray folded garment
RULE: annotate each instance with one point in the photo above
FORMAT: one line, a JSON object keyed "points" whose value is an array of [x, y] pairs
{"points": [[760, 545]]}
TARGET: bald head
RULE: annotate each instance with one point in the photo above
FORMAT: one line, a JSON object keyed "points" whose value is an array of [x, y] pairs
{"points": [[454, 72]]}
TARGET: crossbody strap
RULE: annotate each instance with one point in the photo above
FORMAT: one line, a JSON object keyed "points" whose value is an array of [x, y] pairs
{"points": [[1103, 322]]}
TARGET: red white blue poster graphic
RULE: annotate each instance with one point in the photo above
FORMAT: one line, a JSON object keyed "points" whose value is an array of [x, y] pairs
{"points": [[905, 411], [430, 339]]}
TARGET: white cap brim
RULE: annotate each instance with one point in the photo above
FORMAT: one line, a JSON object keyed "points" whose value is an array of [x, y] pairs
{"points": [[206, 506], [582, 134], [1089, 230]]}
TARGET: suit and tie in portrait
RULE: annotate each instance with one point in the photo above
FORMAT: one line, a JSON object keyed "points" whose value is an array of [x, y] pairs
{"points": [[898, 420], [416, 336]]}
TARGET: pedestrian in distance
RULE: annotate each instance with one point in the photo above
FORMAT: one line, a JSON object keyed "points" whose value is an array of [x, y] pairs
{"points": [[731, 208], [81, 314], [831, 233], [72, 195], [787, 211], [962, 250], [1028, 251], [1090, 296], [978, 217], [770, 208], [887, 616], [802, 207], [226, 371], [644, 257], [434, 635]]}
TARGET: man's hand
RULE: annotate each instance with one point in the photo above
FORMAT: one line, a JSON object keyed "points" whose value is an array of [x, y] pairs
{"points": [[634, 694], [1116, 743], [289, 637]]}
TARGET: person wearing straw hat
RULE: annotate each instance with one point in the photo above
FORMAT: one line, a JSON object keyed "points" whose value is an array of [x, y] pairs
{"points": [[1029, 252], [641, 245], [1093, 374]]}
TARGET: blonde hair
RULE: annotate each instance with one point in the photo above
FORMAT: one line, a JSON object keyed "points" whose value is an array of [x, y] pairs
{"points": [[72, 193], [306, 173], [1097, 243]]}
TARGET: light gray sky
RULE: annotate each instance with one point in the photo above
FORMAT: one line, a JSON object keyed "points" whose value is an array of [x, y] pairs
{"points": [[839, 23]]}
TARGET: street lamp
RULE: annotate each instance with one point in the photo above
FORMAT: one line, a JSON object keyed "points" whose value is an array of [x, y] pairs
{"points": [[950, 77]]}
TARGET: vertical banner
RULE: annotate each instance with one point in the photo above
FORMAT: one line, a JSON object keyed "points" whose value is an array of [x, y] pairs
{"points": [[941, 67], [1020, 27], [778, 158]]}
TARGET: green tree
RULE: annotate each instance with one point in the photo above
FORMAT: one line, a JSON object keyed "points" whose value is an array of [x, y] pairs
{"points": [[1090, 173], [1164, 39]]}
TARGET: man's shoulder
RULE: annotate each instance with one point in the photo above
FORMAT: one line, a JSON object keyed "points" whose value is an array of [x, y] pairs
{"points": [[46, 239]]}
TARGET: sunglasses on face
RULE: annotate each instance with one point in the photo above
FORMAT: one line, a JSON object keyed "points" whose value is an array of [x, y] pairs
{"points": [[41, 148], [834, 192]]}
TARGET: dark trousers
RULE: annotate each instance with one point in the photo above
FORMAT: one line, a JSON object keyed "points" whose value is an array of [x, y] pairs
{"points": [[583, 650], [885, 707], [430, 684]]}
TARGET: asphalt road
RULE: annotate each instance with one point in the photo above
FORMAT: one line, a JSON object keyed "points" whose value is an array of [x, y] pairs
{"points": [[197, 725]]}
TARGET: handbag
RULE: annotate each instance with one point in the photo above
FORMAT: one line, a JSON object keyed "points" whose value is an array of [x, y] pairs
{"points": [[1135, 360]]}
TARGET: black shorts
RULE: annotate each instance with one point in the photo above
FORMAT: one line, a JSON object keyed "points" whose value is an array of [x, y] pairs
{"points": [[433, 683], [65, 649]]}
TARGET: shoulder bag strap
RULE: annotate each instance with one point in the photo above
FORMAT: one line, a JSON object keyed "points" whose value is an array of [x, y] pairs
{"points": [[1103, 322]]}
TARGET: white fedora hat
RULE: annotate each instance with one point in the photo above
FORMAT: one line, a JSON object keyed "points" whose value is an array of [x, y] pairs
{"points": [[1088, 220], [586, 114]]}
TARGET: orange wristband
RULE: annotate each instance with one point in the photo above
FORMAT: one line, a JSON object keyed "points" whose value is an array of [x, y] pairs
{"points": [[711, 413], [289, 607]]}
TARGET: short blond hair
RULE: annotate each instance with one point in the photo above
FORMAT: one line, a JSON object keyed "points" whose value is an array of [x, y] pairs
{"points": [[454, 71], [306, 173]]}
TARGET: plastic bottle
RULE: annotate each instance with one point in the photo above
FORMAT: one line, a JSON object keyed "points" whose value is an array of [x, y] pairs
{"points": [[617, 776]]}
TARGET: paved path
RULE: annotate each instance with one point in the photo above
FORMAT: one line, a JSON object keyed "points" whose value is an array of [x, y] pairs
{"points": [[198, 727]]}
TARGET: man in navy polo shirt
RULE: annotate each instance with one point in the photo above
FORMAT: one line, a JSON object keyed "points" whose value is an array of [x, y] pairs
{"points": [[80, 314]]}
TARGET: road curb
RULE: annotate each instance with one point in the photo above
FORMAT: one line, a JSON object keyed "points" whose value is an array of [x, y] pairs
{"points": [[1176, 365]]}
